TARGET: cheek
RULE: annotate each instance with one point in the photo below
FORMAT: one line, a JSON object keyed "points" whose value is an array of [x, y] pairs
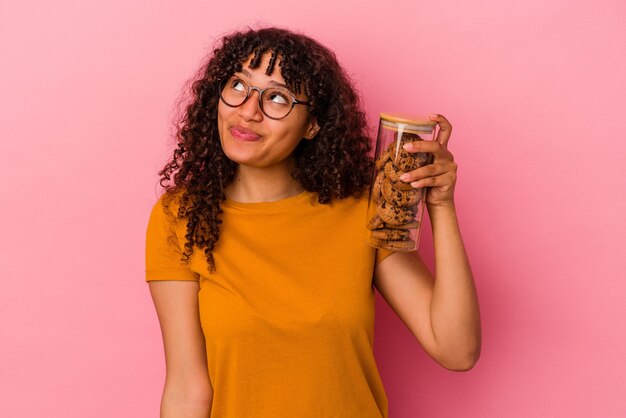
{"points": [[286, 138], [220, 114]]}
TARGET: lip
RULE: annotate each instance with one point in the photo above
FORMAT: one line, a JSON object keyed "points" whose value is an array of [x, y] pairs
{"points": [[244, 134]]}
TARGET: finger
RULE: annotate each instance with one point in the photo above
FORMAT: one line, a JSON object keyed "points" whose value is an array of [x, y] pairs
{"points": [[445, 128], [423, 146], [429, 170], [439, 152], [443, 180]]}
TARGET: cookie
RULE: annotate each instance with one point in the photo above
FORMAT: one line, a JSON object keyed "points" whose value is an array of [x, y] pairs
{"points": [[414, 224], [400, 245], [408, 137], [419, 158], [423, 158], [390, 234], [380, 163], [376, 189], [402, 158], [393, 174], [392, 148], [397, 196], [405, 160], [374, 223], [393, 215]]}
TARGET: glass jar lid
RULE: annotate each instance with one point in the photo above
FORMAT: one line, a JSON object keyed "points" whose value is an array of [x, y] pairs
{"points": [[410, 123]]}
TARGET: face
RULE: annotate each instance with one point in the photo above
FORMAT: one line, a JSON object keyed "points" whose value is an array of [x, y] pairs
{"points": [[248, 137]]}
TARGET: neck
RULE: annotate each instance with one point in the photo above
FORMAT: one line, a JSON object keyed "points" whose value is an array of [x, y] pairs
{"points": [[253, 184]]}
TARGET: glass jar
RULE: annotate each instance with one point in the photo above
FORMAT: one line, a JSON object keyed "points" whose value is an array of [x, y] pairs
{"points": [[395, 209]]}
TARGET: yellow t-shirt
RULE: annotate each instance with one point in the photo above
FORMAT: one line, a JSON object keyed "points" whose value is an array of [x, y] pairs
{"points": [[288, 317]]}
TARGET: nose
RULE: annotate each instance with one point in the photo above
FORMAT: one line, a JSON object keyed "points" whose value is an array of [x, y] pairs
{"points": [[251, 109]]}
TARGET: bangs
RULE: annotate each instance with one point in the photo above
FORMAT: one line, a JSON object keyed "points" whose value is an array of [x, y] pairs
{"points": [[294, 76]]}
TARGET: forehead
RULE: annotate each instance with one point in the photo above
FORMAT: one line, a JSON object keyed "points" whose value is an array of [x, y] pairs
{"points": [[260, 76]]}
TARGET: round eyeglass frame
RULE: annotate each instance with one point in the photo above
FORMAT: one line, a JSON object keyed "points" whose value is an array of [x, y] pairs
{"points": [[294, 101]]}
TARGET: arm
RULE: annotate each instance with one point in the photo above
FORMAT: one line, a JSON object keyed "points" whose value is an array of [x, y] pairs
{"points": [[442, 313], [187, 391]]}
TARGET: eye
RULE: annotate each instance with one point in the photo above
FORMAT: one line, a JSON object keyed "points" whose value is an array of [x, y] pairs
{"points": [[237, 84], [278, 97]]}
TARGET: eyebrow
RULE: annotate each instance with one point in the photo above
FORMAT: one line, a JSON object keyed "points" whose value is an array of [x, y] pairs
{"points": [[275, 83]]}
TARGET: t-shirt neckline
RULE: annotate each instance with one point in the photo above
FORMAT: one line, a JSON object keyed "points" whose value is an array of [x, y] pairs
{"points": [[277, 204]]}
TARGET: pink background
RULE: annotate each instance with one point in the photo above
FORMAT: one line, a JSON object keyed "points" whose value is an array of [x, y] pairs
{"points": [[535, 91]]}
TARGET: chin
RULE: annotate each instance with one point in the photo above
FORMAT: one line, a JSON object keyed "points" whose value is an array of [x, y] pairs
{"points": [[241, 156]]}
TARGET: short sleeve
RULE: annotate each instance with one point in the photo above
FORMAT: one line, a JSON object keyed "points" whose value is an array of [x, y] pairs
{"points": [[163, 252], [381, 254]]}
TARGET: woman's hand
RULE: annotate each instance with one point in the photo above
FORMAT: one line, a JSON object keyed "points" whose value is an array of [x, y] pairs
{"points": [[440, 176]]}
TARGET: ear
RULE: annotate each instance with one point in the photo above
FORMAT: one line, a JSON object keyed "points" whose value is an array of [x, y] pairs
{"points": [[312, 130]]}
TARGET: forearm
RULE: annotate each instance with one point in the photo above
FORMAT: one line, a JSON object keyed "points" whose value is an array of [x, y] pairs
{"points": [[455, 316], [181, 406]]}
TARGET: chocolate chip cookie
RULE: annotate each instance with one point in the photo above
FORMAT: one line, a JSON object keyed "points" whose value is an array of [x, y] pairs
{"points": [[393, 173], [394, 215], [397, 196], [400, 245], [377, 187], [390, 234]]}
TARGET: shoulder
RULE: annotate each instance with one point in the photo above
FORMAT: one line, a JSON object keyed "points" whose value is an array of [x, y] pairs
{"points": [[164, 212], [170, 202]]}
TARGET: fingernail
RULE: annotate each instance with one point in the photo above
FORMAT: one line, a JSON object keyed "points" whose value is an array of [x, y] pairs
{"points": [[406, 146], [433, 115], [404, 177]]}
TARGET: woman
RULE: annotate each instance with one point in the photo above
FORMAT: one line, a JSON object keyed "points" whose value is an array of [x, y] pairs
{"points": [[256, 257]]}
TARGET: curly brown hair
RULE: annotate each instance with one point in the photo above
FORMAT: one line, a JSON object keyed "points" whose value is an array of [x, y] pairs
{"points": [[336, 164]]}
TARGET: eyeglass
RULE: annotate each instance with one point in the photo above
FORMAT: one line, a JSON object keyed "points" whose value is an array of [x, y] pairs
{"points": [[275, 102]]}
